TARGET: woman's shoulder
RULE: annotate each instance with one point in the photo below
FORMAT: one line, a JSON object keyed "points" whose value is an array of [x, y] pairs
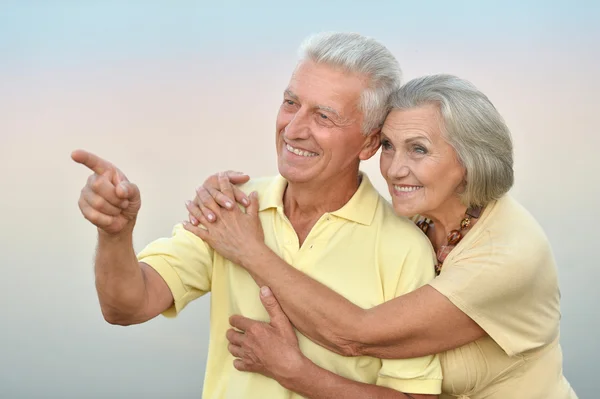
{"points": [[509, 223], [504, 277], [508, 242]]}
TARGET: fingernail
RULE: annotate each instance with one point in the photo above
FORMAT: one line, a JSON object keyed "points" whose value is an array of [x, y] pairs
{"points": [[228, 204], [124, 187], [185, 223], [188, 203], [193, 220], [211, 217], [265, 291], [245, 201]]}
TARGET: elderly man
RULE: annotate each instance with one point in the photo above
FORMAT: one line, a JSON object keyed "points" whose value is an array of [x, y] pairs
{"points": [[320, 210]]}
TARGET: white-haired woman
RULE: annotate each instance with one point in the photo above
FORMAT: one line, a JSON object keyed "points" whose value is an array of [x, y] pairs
{"points": [[493, 311]]}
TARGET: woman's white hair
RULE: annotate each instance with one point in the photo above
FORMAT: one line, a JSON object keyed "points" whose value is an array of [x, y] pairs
{"points": [[362, 55], [473, 127]]}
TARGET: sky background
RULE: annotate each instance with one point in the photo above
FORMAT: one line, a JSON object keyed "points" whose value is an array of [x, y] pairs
{"points": [[174, 92]]}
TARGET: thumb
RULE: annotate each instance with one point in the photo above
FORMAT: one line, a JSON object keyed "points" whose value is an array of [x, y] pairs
{"points": [[253, 207], [237, 177], [131, 194], [278, 317], [128, 191]]}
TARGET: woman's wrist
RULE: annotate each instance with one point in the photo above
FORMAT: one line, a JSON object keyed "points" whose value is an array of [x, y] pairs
{"points": [[255, 255]]}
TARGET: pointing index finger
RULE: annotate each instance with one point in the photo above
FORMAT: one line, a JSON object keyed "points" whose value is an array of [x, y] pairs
{"points": [[92, 161]]}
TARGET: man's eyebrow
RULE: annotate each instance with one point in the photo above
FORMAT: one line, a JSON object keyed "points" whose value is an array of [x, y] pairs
{"points": [[337, 115], [328, 109], [289, 93], [341, 120]]}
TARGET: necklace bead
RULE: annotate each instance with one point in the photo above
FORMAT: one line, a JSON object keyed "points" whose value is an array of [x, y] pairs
{"points": [[453, 238]]}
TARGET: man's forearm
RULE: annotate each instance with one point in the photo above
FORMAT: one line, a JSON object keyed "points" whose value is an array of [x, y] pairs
{"points": [[319, 313], [315, 382], [120, 281]]}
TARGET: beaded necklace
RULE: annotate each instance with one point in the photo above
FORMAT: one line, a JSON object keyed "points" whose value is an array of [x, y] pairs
{"points": [[453, 238]]}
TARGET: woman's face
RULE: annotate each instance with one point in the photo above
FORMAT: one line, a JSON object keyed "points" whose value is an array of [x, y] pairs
{"points": [[421, 169]]}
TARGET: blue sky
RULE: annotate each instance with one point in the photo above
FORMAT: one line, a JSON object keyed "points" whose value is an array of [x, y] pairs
{"points": [[52, 31]]}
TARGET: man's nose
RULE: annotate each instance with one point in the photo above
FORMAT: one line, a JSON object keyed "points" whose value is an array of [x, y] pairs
{"points": [[298, 128]]}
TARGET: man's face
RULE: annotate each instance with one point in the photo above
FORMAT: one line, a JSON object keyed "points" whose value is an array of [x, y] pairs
{"points": [[319, 134]]}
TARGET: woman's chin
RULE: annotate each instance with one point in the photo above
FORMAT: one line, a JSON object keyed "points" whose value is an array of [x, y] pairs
{"points": [[405, 209]]}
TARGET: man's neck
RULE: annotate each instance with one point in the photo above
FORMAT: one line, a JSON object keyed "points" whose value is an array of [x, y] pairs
{"points": [[305, 203], [316, 199]]}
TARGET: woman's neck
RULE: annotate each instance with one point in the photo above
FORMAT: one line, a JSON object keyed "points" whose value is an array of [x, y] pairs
{"points": [[445, 219]]}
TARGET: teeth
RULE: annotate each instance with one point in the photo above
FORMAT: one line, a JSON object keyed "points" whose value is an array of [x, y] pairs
{"points": [[406, 189], [300, 152]]}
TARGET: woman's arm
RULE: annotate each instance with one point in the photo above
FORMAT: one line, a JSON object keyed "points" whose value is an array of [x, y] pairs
{"points": [[420, 323], [272, 349]]}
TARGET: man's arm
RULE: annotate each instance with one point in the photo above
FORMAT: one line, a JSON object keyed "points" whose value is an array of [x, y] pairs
{"points": [[315, 382], [129, 292]]}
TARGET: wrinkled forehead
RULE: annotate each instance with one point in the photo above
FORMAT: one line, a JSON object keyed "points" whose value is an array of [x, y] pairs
{"points": [[326, 85], [423, 121]]}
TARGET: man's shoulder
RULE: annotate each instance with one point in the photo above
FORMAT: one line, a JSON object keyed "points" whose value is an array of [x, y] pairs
{"points": [[399, 235], [390, 221], [403, 250]]}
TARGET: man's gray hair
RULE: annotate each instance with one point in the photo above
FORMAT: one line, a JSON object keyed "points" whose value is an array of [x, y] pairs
{"points": [[362, 55], [473, 127]]}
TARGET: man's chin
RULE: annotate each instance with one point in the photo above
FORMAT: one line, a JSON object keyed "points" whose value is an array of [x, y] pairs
{"points": [[293, 175]]}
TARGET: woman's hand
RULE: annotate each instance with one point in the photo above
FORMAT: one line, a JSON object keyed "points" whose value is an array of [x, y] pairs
{"points": [[210, 195], [234, 234], [270, 349]]}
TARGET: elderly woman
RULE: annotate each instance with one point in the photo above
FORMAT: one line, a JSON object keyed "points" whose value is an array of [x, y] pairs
{"points": [[492, 311]]}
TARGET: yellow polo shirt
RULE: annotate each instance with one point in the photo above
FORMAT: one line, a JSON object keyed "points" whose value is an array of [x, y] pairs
{"points": [[362, 251]]}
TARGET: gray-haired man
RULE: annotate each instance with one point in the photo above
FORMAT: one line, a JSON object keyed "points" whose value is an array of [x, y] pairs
{"points": [[320, 210]]}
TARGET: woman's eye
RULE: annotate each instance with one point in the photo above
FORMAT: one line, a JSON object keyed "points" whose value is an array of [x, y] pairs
{"points": [[420, 150], [386, 145]]}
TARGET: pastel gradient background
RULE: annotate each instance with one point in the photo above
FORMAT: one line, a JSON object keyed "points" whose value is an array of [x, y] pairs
{"points": [[174, 91]]}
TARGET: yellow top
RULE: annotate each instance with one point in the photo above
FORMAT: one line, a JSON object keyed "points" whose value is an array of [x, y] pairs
{"points": [[503, 276], [362, 251]]}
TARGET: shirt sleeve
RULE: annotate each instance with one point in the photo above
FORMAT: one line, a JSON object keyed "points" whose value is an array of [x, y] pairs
{"points": [[508, 286], [421, 375], [185, 262]]}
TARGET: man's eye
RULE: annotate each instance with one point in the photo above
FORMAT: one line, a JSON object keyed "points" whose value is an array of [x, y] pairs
{"points": [[323, 116], [289, 102]]}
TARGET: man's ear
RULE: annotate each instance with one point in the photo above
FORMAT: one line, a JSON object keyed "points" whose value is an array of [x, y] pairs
{"points": [[371, 145]]}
